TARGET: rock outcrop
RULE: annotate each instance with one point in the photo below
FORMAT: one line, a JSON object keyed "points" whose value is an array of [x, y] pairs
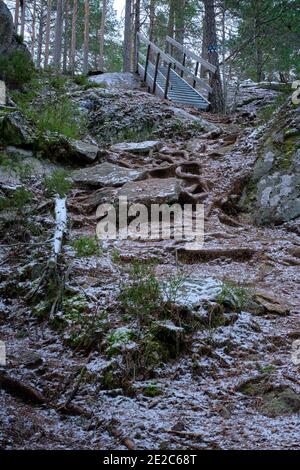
{"points": [[16, 130], [106, 175], [273, 193], [9, 41]]}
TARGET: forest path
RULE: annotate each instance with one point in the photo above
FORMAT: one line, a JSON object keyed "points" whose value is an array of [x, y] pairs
{"points": [[235, 385]]}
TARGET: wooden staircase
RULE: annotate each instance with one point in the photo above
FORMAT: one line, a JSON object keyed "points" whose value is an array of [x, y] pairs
{"points": [[165, 74]]}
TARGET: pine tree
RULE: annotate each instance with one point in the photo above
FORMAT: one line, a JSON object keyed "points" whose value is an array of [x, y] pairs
{"points": [[58, 35], [86, 37], [216, 97], [102, 35], [73, 38], [127, 45]]}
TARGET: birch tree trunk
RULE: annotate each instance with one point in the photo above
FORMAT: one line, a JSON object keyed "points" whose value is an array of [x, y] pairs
{"points": [[73, 38], [47, 39], [86, 37], [127, 38], [216, 98], [66, 35], [58, 35], [102, 35]]}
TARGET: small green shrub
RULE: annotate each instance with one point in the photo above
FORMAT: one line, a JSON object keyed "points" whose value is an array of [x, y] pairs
{"points": [[23, 170], [86, 246], [58, 183], [16, 69], [234, 297], [118, 339], [58, 115], [81, 80], [152, 391], [58, 82], [17, 200], [81, 328], [142, 295]]}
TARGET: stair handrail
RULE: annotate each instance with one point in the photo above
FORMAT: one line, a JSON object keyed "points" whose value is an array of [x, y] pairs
{"points": [[169, 59], [207, 65]]}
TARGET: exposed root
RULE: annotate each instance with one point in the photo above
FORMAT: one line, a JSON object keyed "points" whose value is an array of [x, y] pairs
{"points": [[192, 177], [20, 389], [225, 219]]}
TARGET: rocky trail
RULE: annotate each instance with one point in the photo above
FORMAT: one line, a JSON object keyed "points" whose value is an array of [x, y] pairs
{"points": [[209, 362]]}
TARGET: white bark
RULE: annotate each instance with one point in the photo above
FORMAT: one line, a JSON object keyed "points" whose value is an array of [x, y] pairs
{"points": [[61, 226], [2, 93]]}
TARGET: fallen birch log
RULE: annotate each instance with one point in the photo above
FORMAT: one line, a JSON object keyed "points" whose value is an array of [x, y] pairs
{"points": [[61, 227]]}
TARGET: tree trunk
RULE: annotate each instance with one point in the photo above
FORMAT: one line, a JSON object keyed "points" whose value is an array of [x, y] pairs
{"points": [[137, 22], [151, 19], [224, 54], [180, 20], [258, 42], [73, 38], [204, 52], [102, 35], [40, 36], [127, 38], [66, 36], [17, 9], [171, 26], [86, 37], [47, 39], [216, 98], [23, 14], [58, 36], [33, 28]]}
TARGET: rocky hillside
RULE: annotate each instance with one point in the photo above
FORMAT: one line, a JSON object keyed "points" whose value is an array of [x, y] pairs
{"points": [[146, 344], [273, 194]]}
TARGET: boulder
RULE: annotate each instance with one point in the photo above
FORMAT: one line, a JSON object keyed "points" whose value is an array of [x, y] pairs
{"points": [[116, 80], [170, 335], [271, 303], [61, 148], [138, 147], [6, 28], [9, 41], [192, 293], [105, 175], [16, 130], [151, 191], [273, 193]]}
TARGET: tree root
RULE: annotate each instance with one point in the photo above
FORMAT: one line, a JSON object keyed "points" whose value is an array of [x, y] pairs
{"points": [[21, 390]]}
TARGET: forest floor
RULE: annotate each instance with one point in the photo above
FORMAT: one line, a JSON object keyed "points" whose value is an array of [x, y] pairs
{"points": [[228, 379]]}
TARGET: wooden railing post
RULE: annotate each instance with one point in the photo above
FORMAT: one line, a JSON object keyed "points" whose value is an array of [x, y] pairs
{"points": [[147, 62], [168, 80], [156, 71], [196, 73]]}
